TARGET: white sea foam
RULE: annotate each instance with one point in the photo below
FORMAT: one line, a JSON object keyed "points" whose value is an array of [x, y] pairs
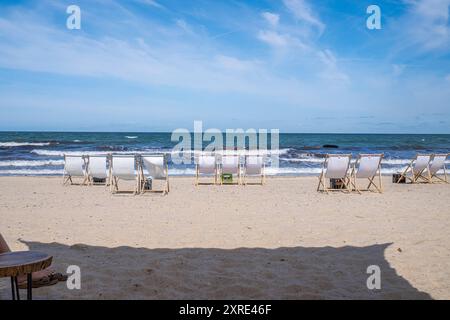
{"points": [[31, 163], [131, 137], [292, 171], [182, 172], [394, 162], [312, 160], [61, 153], [30, 172], [22, 144]]}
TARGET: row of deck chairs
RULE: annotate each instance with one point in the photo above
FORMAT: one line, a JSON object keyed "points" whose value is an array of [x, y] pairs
{"points": [[110, 169], [424, 167], [217, 165]]}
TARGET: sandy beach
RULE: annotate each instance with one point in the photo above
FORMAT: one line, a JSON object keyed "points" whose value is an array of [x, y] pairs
{"points": [[279, 241]]}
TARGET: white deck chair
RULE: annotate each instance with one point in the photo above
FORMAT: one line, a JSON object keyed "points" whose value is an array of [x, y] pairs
{"points": [[74, 166], [254, 166], [98, 169], [368, 166], [438, 164], [157, 169], [419, 168], [230, 164], [206, 165], [124, 167], [335, 167]]}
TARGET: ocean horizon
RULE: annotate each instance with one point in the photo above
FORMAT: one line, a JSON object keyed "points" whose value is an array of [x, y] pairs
{"points": [[31, 153]]}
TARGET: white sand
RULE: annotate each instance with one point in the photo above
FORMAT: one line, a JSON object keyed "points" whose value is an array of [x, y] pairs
{"points": [[281, 241]]}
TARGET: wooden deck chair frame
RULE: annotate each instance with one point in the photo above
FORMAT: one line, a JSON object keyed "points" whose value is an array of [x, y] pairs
{"points": [[239, 169], [197, 169], [166, 172], [263, 173], [346, 180], [416, 175], [114, 179], [379, 187], [68, 178], [435, 178], [108, 175]]}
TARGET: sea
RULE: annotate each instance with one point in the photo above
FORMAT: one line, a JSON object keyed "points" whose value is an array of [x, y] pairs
{"points": [[41, 153]]}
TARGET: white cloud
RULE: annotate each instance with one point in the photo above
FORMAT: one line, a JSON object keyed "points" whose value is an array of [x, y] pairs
{"points": [[272, 18], [427, 24], [331, 70], [171, 60], [234, 64], [281, 41], [183, 25], [152, 3], [398, 69], [273, 38], [303, 12]]}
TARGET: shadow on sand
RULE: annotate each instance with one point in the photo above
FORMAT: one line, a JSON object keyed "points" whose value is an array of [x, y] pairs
{"points": [[208, 273]]}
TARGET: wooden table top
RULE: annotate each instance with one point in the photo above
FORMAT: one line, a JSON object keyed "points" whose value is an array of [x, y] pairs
{"points": [[17, 263]]}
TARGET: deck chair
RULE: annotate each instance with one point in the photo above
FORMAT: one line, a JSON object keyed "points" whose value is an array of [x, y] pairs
{"points": [[154, 167], [206, 165], [98, 169], [419, 168], [230, 164], [124, 167], [74, 166], [368, 166], [254, 166], [335, 167], [437, 165]]}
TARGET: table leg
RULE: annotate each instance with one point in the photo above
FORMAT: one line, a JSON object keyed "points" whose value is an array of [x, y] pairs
{"points": [[13, 289], [17, 288], [29, 287]]}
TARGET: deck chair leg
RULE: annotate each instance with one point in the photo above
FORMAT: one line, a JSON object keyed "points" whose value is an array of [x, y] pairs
{"points": [[136, 186], [320, 182], [347, 185], [355, 186], [381, 181], [370, 184], [429, 176], [404, 173], [196, 176]]}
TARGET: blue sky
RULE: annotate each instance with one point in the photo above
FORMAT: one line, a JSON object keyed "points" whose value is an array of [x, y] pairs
{"points": [[158, 65]]}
